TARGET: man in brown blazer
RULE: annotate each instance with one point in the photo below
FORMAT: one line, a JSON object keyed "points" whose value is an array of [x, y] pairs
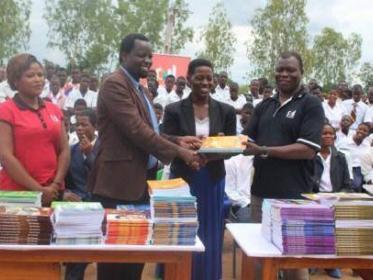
{"points": [[130, 141]]}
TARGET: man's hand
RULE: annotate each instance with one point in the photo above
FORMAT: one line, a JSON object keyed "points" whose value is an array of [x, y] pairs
{"points": [[70, 196], [191, 158], [253, 149], [189, 142], [85, 145]]}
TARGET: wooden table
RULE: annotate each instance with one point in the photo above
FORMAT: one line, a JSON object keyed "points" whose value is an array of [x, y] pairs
{"points": [[256, 249], [43, 261]]}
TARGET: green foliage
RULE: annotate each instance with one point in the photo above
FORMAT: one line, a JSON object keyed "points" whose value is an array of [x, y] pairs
{"points": [[219, 39], [89, 32], [280, 26], [366, 74], [14, 27], [335, 56], [81, 30]]}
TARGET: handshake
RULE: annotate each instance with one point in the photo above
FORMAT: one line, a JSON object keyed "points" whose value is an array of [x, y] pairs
{"points": [[188, 151]]}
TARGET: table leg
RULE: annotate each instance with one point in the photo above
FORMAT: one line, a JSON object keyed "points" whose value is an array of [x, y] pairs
{"points": [[247, 268], [27, 270], [180, 270], [269, 269]]}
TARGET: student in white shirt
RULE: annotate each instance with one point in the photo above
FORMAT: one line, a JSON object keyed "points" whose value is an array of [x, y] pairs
{"points": [[333, 111], [355, 107], [165, 91], [235, 99], [222, 89], [83, 92], [267, 93], [354, 147], [179, 93], [344, 130], [369, 113], [239, 175], [5, 91], [56, 94], [367, 165]]}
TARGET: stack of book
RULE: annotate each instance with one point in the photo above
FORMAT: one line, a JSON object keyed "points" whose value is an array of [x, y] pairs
{"points": [[25, 225], [173, 212], [20, 198], [354, 227], [78, 222], [222, 146], [299, 226], [129, 224]]}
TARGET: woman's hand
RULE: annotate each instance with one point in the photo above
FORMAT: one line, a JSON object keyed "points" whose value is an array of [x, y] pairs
{"points": [[190, 142], [50, 193]]}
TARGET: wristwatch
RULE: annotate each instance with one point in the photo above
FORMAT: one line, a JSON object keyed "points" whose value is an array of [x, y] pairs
{"points": [[264, 152]]}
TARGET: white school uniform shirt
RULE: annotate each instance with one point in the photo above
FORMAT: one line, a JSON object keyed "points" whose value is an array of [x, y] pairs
{"points": [[334, 115], [5, 91], [173, 97], [340, 136], [367, 164], [361, 108], [238, 103], [90, 97], [221, 94], [257, 101], [352, 151], [325, 181], [369, 114], [46, 89], [239, 176]]}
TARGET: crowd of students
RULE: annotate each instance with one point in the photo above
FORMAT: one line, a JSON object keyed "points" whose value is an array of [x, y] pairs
{"points": [[35, 154]]}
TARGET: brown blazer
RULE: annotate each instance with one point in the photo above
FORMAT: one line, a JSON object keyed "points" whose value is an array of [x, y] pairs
{"points": [[127, 138]]}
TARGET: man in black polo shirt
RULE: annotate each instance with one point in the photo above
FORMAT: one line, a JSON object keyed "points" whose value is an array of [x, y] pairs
{"points": [[285, 134]]}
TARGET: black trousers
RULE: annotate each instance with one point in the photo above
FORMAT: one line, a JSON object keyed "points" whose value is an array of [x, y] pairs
{"points": [[120, 271]]}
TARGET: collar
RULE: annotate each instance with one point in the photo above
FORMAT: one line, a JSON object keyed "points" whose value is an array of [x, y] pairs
{"points": [[299, 94], [24, 106], [132, 79]]}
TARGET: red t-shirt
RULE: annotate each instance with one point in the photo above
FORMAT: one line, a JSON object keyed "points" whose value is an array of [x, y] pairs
{"points": [[36, 139]]}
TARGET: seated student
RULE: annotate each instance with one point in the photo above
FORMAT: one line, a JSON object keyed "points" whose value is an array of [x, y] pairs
{"points": [[83, 155], [331, 169], [353, 148], [344, 131], [79, 106], [331, 172], [239, 174]]}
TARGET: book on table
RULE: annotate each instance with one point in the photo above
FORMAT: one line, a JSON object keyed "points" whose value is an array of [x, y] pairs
{"points": [[21, 198]]}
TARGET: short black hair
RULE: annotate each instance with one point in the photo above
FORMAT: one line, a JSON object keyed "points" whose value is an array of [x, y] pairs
{"points": [[198, 62], [296, 55], [90, 114], [128, 43], [234, 84], [170, 76], [269, 86], [80, 101], [357, 87], [248, 106], [158, 106]]}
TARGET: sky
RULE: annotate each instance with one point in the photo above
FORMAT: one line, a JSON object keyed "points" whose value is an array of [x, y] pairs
{"points": [[344, 16]]}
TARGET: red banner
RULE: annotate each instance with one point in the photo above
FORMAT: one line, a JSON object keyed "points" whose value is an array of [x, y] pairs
{"points": [[166, 64]]}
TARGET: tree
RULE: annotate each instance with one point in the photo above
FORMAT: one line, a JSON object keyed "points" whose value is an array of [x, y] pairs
{"points": [[335, 56], [366, 74], [181, 34], [280, 26], [81, 30], [15, 27], [219, 39]]}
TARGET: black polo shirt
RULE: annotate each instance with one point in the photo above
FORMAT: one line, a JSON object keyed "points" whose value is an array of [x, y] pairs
{"points": [[299, 120]]}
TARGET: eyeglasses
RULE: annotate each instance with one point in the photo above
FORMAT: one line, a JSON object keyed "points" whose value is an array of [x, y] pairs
{"points": [[43, 123]]}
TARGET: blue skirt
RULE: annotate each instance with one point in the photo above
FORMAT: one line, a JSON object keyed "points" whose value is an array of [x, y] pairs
{"points": [[210, 207]]}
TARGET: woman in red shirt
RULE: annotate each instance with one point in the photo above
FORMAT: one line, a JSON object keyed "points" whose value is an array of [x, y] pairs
{"points": [[34, 150]]}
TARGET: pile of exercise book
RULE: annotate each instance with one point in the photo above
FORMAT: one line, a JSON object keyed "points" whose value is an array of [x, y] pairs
{"points": [[20, 198], [299, 226], [173, 212], [354, 227], [78, 222], [25, 225], [129, 224]]}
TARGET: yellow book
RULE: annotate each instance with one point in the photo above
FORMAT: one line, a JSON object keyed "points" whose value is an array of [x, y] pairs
{"points": [[223, 144]]}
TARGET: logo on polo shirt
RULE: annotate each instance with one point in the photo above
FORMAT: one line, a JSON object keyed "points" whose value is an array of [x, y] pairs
{"points": [[291, 114], [54, 118]]}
